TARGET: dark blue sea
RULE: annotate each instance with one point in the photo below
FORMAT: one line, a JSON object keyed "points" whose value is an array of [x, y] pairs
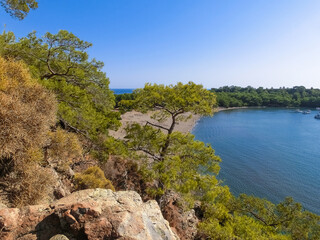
{"points": [[269, 153], [121, 90]]}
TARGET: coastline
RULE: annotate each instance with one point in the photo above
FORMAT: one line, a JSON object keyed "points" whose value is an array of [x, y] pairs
{"points": [[142, 118], [218, 109]]}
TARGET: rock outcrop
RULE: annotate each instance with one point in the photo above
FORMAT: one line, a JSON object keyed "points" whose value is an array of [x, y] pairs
{"points": [[88, 214], [125, 176], [184, 223]]}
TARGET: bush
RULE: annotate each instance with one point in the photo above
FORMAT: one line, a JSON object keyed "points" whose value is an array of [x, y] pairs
{"points": [[93, 177], [29, 185], [27, 111], [63, 147]]}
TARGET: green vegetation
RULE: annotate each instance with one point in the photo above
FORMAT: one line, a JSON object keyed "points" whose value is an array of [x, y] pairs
{"points": [[93, 177], [177, 162], [19, 8], [283, 97], [125, 102], [44, 130], [248, 217], [30, 143], [61, 64]]}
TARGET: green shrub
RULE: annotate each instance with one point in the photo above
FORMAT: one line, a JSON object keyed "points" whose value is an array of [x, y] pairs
{"points": [[93, 177]]}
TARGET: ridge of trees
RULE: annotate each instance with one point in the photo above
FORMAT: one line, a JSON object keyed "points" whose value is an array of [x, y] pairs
{"points": [[233, 96], [298, 96]]}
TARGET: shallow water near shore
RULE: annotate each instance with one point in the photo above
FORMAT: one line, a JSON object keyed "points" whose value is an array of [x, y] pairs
{"points": [[270, 153]]}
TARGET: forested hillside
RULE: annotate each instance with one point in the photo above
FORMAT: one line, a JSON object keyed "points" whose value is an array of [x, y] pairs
{"points": [[270, 97]]}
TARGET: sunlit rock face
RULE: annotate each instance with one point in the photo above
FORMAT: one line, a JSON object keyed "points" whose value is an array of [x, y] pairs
{"points": [[88, 214]]}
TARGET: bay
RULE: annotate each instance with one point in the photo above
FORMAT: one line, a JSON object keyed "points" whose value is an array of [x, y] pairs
{"points": [[269, 153]]}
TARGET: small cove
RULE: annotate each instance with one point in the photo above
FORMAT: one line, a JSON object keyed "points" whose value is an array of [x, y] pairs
{"points": [[270, 153]]}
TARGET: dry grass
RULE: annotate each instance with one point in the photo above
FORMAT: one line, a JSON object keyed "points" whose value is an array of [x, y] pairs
{"points": [[26, 114], [27, 110], [63, 148], [29, 185]]}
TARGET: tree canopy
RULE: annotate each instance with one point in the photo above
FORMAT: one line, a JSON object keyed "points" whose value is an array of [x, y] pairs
{"points": [[19, 8], [175, 99], [62, 64], [172, 102], [178, 161]]}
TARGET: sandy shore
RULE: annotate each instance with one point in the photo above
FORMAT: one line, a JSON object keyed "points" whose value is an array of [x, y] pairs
{"points": [[141, 118], [232, 108]]}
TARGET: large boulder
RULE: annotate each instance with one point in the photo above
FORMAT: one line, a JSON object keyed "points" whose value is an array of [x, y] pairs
{"points": [[88, 214]]}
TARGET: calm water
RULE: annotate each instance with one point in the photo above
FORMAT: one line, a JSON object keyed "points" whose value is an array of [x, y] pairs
{"points": [[271, 153], [122, 90]]}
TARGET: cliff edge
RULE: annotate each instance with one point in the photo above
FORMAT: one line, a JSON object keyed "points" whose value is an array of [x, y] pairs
{"points": [[88, 214]]}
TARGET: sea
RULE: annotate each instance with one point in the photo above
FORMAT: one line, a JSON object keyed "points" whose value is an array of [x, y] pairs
{"points": [[117, 91], [270, 153]]}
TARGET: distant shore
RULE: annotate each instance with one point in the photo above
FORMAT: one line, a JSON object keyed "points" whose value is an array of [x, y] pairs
{"points": [[218, 109]]}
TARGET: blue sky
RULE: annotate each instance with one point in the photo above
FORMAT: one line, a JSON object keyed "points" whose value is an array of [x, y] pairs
{"points": [[269, 43]]}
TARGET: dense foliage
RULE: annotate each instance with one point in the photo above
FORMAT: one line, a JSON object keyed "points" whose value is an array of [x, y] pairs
{"points": [[125, 97], [247, 217], [283, 97], [62, 65], [32, 148], [62, 148]]}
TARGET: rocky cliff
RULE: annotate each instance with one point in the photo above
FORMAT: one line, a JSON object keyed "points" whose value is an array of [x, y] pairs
{"points": [[88, 214]]}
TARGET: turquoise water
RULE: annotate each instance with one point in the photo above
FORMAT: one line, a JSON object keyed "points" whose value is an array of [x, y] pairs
{"points": [[270, 153]]}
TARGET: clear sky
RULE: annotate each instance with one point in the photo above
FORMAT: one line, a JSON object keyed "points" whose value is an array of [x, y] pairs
{"points": [[269, 43]]}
